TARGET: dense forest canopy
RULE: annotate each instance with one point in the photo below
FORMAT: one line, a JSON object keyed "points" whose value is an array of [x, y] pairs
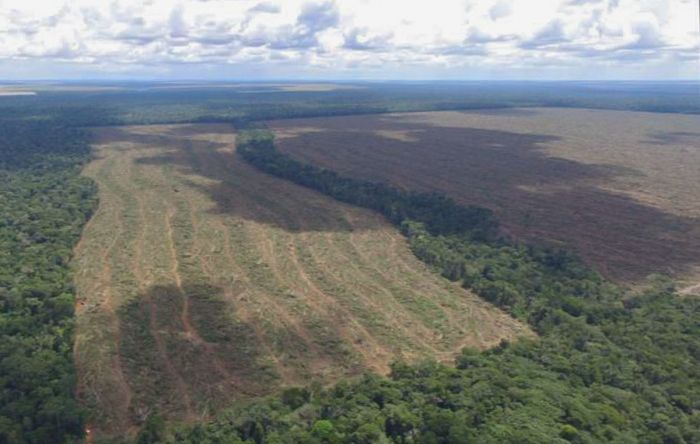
{"points": [[143, 103], [43, 207], [608, 365]]}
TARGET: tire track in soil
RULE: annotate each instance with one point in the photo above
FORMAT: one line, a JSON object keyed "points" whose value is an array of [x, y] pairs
{"points": [[242, 311], [196, 159], [189, 328], [377, 270], [476, 308], [401, 320], [318, 306], [448, 353], [268, 254], [240, 186], [242, 179], [378, 358], [270, 257], [162, 349], [144, 283]]}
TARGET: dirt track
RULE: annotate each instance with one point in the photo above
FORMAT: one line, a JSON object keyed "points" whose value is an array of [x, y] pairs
{"points": [[202, 281]]}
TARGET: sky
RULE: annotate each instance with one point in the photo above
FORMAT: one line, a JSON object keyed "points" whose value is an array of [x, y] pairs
{"points": [[350, 39]]}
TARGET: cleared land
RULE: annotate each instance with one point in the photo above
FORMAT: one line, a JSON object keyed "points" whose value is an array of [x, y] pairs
{"points": [[202, 281], [620, 187], [260, 87], [15, 91]]}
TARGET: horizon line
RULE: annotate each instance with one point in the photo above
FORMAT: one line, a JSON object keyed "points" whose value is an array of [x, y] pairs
{"points": [[333, 80]]}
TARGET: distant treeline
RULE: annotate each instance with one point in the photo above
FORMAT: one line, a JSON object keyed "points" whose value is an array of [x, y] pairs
{"points": [[607, 367], [44, 204], [140, 104]]}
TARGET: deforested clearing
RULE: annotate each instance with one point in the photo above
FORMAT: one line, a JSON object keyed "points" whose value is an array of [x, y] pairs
{"points": [[202, 281], [619, 187]]}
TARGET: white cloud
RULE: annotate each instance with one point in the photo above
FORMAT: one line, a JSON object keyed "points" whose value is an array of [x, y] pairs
{"points": [[363, 38]]}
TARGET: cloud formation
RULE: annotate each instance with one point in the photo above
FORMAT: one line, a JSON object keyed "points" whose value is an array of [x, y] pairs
{"points": [[353, 38]]}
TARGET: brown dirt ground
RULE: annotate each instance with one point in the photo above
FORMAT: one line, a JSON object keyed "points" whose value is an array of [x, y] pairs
{"points": [[202, 281], [620, 187]]}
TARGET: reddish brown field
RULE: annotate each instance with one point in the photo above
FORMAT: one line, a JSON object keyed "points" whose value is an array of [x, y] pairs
{"points": [[622, 188]]}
